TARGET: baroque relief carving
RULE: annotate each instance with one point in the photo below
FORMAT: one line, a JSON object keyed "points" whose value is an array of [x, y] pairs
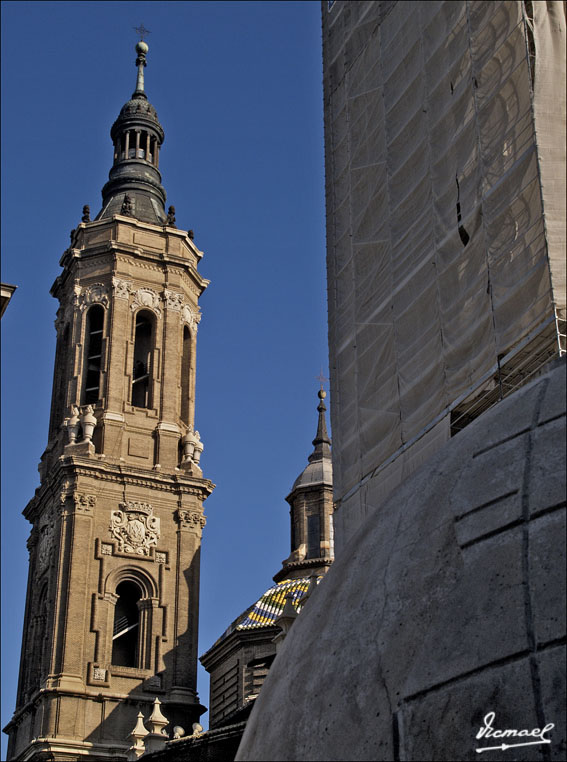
{"points": [[173, 301], [97, 293], [122, 288], [190, 519], [146, 297], [60, 320], [135, 527], [190, 316], [84, 503], [99, 673]]}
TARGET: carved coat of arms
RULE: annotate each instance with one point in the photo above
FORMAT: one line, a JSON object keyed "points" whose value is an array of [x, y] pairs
{"points": [[135, 528]]}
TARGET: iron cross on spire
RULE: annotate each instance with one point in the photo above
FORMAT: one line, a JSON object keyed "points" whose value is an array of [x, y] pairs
{"points": [[142, 31], [321, 378]]}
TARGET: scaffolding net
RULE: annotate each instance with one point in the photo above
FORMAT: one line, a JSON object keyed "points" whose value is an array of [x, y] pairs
{"points": [[445, 160]]}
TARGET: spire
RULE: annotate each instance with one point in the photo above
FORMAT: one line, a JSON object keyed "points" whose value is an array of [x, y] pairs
{"points": [[141, 50], [134, 184], [321, 443]]}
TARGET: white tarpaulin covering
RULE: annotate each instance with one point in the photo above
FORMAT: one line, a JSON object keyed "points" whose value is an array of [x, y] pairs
{"points": [[438, 248]]}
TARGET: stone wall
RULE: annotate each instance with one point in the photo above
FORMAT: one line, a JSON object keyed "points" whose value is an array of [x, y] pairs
{"points": [[447, 604]]}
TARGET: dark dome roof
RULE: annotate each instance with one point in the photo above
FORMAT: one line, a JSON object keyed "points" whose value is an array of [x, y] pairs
{"points": [[138, 106]]}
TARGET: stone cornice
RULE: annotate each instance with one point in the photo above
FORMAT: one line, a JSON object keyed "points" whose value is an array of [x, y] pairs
{"points": [[307, 563], [220, 651], [67, 469], [128, 253]]}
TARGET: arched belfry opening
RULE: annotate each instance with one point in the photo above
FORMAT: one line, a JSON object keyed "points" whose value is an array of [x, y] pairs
{"points": [[186, 375], [143, 347], [126, 629], [93, 355]]}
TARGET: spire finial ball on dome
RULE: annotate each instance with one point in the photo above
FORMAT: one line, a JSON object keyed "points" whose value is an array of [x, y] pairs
{"points": [[142, 48], [321, 394]]}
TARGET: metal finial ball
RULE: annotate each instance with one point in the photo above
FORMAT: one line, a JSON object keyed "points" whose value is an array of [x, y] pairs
{"points": [[142, 48], [322, 394]]}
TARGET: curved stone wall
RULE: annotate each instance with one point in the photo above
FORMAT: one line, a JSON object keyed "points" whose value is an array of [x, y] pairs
{"points": [[446, 605]]}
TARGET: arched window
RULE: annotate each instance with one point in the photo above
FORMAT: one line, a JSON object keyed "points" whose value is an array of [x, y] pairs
{"points": [[313, 536], [143, 345], [185, 375], [126, 631], [37, 641], [93, 357], [132, 145], [58, 403]]}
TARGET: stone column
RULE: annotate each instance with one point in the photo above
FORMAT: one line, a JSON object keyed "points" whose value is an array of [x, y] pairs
{"points": [[74, 603], [147, 608], [190, 521]]}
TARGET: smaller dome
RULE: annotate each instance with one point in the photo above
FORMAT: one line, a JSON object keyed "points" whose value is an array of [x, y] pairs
{"points": [[138, 106], [317, 472]]}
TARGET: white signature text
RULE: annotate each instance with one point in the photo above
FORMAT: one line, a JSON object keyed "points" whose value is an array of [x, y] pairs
{"points": [[489, 732]]}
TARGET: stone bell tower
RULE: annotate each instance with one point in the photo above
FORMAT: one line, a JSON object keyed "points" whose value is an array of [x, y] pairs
{"points": [[113, 592]]}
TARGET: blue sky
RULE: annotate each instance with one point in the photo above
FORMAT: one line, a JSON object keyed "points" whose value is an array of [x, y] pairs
{"points": [[237, 88]]}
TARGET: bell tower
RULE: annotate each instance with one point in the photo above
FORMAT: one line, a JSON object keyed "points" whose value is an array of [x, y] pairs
{"points": [[113, 591]]}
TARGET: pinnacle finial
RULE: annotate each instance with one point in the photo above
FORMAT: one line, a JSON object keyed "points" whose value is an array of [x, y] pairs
{"points": [[141, 51], [321, 442]]}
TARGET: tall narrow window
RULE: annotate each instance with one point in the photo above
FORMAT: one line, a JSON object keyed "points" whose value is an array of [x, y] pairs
{"points": [[58, 403], [126, 630], [313, 536], [185, 373], [95, 321], [143, 344], [132, 145]]}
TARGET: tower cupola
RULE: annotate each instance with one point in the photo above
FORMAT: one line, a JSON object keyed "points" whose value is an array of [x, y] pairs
{"points": [[311, 509], [134, 184]]}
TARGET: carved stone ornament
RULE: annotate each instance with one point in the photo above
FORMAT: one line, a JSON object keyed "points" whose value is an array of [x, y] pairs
{"points": [[105, 549], [60, 320], [44, 546], [84, 503], [173, 301], [77, 291], [135, 527], [161, 558], [146, 297], [122, 288], [190, 519], [97, 293], [99, 674], [191, 317]]}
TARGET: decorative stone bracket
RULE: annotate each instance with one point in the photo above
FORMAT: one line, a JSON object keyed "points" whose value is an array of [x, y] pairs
{"points": [[190, 519]]}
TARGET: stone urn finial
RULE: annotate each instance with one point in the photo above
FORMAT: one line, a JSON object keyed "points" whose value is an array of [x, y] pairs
{"points": [[188, 444], [73, 424], [137, 736], [198, 449], [88, 422], [157, 721]]}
